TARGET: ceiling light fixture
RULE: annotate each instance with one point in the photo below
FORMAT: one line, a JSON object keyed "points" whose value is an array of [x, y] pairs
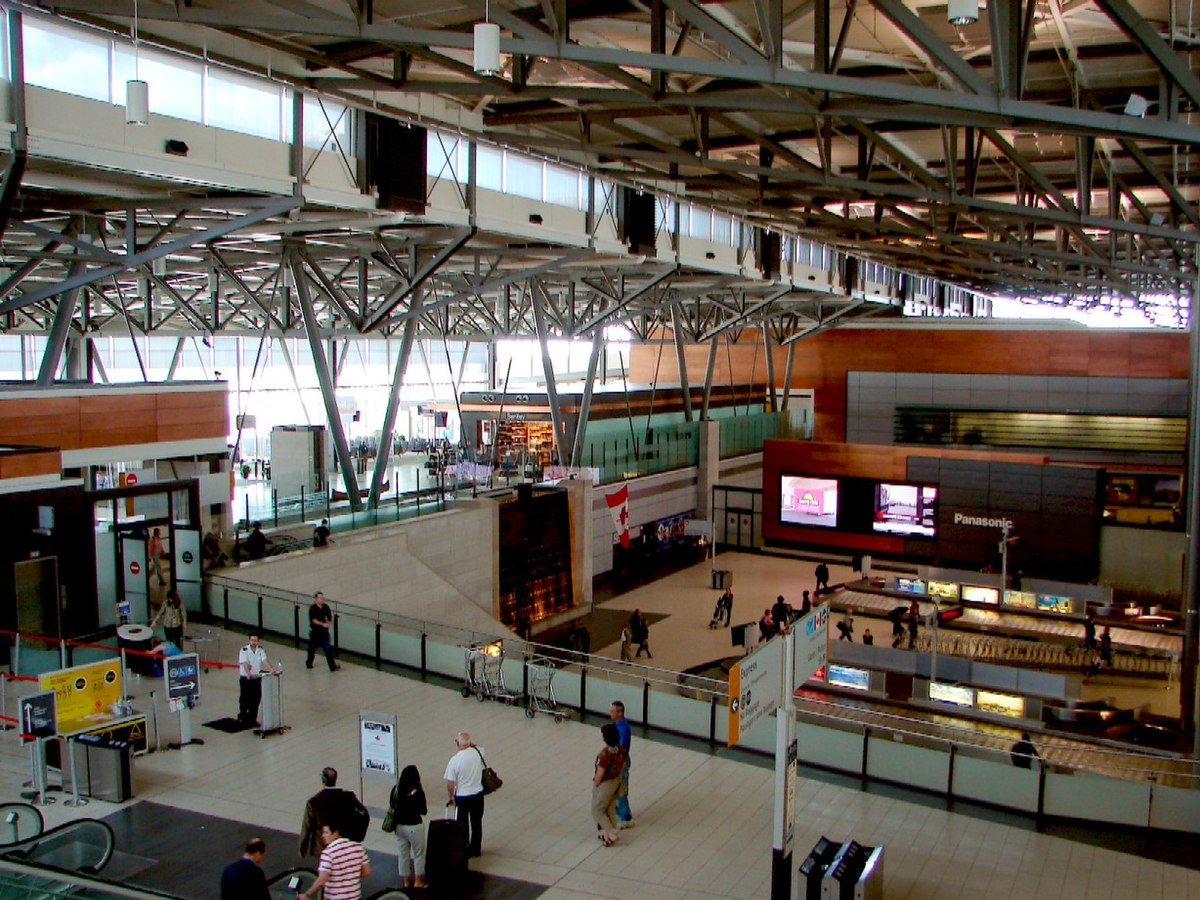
{"points": [[487, 45], [1137, 106], [962, 12], [137, 92]]}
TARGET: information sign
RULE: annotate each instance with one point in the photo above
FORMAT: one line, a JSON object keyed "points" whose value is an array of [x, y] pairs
{"points": [[812, 643], [83, 692], [755, 686], [182, 674], [38, 716], [377, 740]]}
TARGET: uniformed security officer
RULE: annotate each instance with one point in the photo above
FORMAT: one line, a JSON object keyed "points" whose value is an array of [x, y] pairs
{"points": [[252, 665]]}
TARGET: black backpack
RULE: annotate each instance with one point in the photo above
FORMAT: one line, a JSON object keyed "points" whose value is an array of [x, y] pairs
{"points": [[358, 820]]}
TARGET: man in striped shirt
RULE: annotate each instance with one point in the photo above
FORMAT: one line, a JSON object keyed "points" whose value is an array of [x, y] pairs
{"points": [[342, 868]]}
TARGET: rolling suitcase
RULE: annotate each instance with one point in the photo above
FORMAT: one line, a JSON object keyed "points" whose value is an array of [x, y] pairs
{"points": [[445, 851]]}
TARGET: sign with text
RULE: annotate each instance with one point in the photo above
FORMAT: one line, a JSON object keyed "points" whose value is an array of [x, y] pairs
{"points": [[37, 715], [377, 743], [812, 643], [182, 674], [755, 686], [83, 692]]}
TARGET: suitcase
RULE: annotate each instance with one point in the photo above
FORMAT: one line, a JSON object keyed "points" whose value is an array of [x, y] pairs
{"points": [[445, 851]]}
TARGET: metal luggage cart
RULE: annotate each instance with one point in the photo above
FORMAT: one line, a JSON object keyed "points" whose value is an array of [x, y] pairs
{"points": [[484, 676], [541, 671]]}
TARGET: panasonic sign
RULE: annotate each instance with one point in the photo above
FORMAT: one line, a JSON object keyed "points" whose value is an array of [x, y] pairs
{"points": [[982, 521]]}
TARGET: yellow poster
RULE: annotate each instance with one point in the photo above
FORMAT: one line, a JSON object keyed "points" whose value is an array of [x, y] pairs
{"points": [[85, 693]]}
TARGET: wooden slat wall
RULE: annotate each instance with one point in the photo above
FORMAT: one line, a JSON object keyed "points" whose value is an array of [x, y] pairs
{"points": [[29, 463], [114, 419], [823, 360]]}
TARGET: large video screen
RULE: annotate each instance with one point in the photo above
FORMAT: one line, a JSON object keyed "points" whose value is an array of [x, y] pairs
{"points": [[905, 509], [808, 501]]}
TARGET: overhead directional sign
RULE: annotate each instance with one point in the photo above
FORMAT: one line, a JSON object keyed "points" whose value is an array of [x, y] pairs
{"points": [[812, 644], [182, 674], [755, 686]]}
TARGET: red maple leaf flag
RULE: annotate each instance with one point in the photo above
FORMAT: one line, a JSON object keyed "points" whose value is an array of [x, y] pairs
{"points": [[618, 505]]}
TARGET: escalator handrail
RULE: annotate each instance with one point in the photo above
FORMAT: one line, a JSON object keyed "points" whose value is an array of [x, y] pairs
{"points": [[22, 850], [23, 808]]}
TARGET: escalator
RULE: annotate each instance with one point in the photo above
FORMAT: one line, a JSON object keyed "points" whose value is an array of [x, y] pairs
{"points": [[290, 882]]}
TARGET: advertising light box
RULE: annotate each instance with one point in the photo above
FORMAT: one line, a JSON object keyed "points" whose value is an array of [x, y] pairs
{"points": [[945, 589], [951, 693], [974, 593], [1000, 704], [910, 585], [847, 677], [1021, 599], [1053, 603]]}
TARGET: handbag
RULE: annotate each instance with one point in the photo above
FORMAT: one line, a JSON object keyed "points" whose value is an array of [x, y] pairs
{"points": [[389, 819], [491, 781]]}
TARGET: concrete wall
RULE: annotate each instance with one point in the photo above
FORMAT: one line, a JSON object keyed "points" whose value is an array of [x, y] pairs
{"points": [[441, 567], [1144, 559]]}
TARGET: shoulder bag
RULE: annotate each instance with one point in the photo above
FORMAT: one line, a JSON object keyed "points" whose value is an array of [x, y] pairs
{"points": [[491, 781]]}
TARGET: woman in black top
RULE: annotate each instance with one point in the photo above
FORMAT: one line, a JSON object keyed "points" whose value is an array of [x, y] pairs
{"points": [[406, 808]]}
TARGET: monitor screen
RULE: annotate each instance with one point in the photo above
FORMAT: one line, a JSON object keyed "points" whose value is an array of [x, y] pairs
{"points": [[808, 501], [909, 509]]}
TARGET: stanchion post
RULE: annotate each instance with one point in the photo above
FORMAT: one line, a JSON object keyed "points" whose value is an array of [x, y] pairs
{"points": [[4, 678], [75, 800]]}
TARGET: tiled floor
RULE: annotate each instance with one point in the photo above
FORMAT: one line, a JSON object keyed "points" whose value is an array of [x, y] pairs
{"points": [[703, 818]]}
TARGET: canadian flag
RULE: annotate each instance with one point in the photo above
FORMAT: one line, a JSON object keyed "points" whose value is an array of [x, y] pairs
{"points": [[618, 505]]}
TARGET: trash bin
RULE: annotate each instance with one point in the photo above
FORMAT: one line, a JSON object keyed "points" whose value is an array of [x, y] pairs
{"points": [[721, 579], [104, 768]]}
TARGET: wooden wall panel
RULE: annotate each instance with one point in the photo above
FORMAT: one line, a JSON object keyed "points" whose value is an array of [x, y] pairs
{"points": [[29, 463], [823, 360]]}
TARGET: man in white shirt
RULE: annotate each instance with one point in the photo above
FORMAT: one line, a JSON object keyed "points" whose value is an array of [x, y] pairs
{"points": [[252, 665], [464, 790]]}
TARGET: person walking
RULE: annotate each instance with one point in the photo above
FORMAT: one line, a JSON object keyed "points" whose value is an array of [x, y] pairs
{"points": [[244, 879], [155, 551], [727, 605], [626, 641], [606, 781], [330, 804], [845, 627], [342, 868], [464, 790], [868, 639], [173, 616], [1106, 647], [320, 618], [805, 604], [405, 808], [639, 632], [914, 619], [616, 712], [781, 614], [822, 576]]}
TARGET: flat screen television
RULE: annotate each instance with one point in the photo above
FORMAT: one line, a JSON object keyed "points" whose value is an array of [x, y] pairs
{"points": [[808, 501], [909, 509]]}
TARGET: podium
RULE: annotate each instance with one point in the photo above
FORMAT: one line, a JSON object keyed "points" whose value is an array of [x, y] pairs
{"points": [[272, 704]]}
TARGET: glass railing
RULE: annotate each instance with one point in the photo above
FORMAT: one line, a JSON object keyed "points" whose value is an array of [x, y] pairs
{"points": [[28, 881], [745, 434], [1074, 780]]}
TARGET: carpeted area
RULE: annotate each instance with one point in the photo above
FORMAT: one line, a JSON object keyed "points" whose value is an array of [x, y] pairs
{"points": [[229, 725]]}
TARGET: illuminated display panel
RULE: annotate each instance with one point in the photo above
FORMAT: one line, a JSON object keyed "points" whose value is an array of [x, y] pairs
{"points": [[807, 501], [951, 693], [844, 676], [908, 509], [1021, 599], [1000, 704], [975, 593], [910, 585], [945, 589], [1053, 603]]}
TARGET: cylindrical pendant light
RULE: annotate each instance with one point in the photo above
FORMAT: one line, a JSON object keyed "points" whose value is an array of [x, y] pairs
{"points": [[137, 102], [487, 48], [962, 12]]}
